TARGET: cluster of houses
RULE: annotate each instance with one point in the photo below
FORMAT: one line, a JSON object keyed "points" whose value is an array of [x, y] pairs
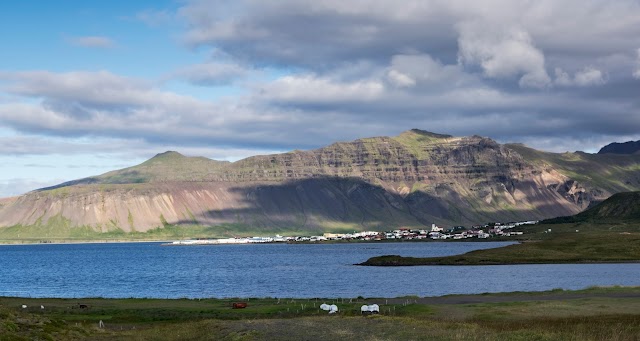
{"points": [[435, 232]]}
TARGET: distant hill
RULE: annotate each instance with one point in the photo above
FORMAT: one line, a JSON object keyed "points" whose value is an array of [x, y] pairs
{"points": [[411, 180], [631, 147], [619, 207]]}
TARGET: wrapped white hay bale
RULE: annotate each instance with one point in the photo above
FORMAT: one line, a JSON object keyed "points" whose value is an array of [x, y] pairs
{"points": [[333, 309]]}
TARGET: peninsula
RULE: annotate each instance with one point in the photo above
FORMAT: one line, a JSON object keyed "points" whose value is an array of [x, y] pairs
{"points": [[606, 233]]}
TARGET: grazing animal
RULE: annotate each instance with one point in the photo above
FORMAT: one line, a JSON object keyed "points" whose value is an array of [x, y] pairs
{"points": [[83, 306], [41, 307], [24, 306], [239, 305]]}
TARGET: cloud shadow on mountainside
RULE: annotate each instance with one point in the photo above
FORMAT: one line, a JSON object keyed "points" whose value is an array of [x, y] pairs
{"points": [[325, 202]]}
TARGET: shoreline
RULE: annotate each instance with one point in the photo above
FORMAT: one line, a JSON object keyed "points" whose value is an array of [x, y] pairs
{"points": [[618, 247], [505, 263], [5, 243], [553, 294], [169, 241]]}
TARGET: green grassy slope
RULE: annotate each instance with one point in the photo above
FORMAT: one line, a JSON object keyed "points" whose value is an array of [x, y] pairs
{"points": [[609, 172], [168, 166], [620, 207]]}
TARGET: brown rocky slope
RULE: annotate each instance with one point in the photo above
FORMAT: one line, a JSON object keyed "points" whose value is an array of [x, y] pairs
{"points": [[412, 180]]}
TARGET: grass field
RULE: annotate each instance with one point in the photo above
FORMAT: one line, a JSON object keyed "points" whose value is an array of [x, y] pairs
{"points": [[593, 314]]}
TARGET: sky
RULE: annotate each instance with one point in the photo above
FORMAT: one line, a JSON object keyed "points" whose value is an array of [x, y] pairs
{"points": [[91, 86]]}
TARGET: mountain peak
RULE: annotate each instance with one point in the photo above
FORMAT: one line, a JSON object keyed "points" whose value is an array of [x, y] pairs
{"points": [[166, 156], [425, 133], [630, 147]]}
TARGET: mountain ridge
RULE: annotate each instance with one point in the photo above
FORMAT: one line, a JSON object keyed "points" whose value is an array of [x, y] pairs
{"points": [[629, 147], [410, 180]]}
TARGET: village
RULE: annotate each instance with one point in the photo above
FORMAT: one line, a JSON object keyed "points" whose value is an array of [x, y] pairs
{"points": [[435, 233]]}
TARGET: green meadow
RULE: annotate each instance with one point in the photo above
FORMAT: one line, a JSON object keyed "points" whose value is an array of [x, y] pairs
{"points": [[592, 314]]}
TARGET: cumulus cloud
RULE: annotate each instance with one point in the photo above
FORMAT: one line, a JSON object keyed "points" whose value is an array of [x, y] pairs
{"points": [[589, 76], [503, 53], [361, 68], [400, 79], [99, 88], [93, 42], [316, 34], [103, 104], [314, 89], [562, 78], [336, 30], [408, 70]]}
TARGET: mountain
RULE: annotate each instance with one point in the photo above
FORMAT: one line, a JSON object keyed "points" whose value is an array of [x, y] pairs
{"points": [[630, 147], [410, 180], [619, 207]]}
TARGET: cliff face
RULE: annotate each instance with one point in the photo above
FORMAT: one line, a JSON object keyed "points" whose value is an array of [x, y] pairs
{"points": [[414, 179]]}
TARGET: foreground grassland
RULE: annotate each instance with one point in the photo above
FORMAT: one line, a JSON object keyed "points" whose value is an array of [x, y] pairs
{"points": [[566, 243], [593, 314]]}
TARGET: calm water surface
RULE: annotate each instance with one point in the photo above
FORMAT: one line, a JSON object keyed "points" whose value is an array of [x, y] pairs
{"points": [[275, 270]]}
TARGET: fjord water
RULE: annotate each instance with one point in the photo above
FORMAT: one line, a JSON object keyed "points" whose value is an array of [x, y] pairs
{"points": [[275, 270]]}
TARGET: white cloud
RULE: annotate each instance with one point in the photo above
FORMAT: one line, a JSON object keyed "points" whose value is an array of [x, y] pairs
{"points": [[408, 70], [562, 78], [335, 31], [348, 69], [105, 104], [93, 41], [313, 89], [503, 54], [588, 76], [400, 79], [99, 95]]}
